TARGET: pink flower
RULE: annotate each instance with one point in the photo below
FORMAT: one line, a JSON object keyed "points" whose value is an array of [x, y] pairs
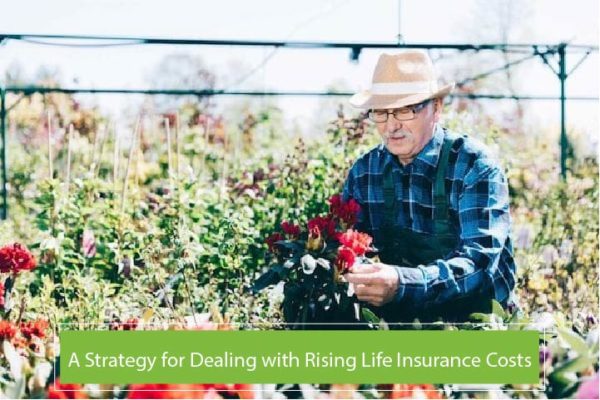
{"points": [[588, 388], [88, 243]]}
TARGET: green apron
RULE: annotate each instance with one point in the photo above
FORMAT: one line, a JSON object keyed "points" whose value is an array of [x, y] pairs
{"points": [[407, 248]]}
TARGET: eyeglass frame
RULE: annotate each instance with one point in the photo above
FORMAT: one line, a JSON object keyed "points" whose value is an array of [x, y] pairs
{"points": [[415, 108]]}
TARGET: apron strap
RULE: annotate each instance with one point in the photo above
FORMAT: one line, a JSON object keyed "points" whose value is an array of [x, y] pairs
{"points": [[389, 196], [440, 200]]}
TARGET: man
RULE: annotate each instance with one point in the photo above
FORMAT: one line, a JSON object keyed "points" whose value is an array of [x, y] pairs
{"points": [[435, 202]]}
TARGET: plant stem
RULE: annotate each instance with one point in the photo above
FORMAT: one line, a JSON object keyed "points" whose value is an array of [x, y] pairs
{"points": [[50, 167], [131, 150]]}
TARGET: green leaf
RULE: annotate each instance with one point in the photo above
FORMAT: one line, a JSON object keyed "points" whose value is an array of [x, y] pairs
{"points": [[498, 310], [369, 316], [575, 341], [479, 317], [578, 364]]}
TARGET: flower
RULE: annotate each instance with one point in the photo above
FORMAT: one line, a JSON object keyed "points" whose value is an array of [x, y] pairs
{"points": [[33, 329], [588, 388], [346, 212], [357, 241], [315, 241], [88, 243], [171, 391], [7, 330], [411, 391], [59, 390], [290, 229], [326, 226], [131, 324], [2, 292], [271, 240], [545, 354], [15, 258], [345, 259]]}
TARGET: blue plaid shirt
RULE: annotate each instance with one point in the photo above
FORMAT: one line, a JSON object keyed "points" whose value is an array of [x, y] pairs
{"points": [[479, 207]]}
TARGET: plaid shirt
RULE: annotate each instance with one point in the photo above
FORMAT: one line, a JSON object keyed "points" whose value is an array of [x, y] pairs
{"points": [[479, 207]]}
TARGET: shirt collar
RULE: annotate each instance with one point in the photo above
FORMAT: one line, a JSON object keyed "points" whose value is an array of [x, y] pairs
{"points": [[427, 157]]}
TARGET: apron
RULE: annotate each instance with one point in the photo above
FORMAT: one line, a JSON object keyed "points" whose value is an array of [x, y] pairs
{"points": [[407, 248]]}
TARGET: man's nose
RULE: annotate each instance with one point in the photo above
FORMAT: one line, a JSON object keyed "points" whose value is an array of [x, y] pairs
{"points": [[392, 124]]}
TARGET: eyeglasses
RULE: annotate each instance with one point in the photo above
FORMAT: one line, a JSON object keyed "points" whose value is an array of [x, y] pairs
{"points": [[401, 114]]}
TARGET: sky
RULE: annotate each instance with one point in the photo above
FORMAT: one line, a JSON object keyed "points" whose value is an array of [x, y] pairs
{"points": [[423, 21]]}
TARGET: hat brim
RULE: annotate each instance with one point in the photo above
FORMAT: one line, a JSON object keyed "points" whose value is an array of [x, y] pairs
{"points": [[367, 100]]}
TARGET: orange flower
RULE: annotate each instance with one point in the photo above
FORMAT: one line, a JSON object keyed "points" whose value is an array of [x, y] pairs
{"points": [[32, 329], [7, 330]]}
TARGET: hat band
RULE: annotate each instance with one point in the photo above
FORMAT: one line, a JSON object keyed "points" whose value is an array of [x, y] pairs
{"points": [[404, 87]]}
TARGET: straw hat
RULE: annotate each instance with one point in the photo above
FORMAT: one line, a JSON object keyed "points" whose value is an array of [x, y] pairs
{"points": [[400, 80]]}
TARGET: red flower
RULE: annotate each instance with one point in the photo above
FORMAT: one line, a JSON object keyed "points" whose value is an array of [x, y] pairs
{"points": [[15, 257], [347, 212], [326, 226], [2, 292], [170, 391], [7, 330], [130, 324], [357, 241], [290, 229], [274, 238], [410, 391], [345, 259], [59, 390], [36, 328]]}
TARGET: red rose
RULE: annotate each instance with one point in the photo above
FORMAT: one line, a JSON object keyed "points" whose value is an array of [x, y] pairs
{"points": [[290, 229], [2, 292], [345, 259], [15, 258], [357, 241]]}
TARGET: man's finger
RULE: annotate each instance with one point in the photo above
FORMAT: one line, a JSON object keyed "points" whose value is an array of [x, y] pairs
{"points": [[371, 278], [364, 268]]}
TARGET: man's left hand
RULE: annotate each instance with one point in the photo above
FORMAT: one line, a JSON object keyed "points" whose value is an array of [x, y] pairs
{"points": [[374, 283]]}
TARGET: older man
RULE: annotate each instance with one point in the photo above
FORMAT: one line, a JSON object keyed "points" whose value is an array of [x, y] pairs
{"points": [[436, 203]]}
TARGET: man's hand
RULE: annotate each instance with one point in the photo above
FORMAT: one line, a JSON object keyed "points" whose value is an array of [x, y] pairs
{"points": [[374, 283]]}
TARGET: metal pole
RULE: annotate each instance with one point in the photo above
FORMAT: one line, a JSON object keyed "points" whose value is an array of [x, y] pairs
{"points": [[4, 167], [562, 75]]}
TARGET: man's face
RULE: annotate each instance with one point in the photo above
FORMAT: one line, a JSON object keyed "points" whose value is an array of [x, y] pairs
{"points": [[405, 139]]}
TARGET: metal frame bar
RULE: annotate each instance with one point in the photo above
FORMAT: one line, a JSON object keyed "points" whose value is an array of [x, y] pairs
{"points": [[541, 50]]}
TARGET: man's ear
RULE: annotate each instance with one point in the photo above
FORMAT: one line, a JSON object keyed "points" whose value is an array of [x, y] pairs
{"points": [[438, 104]]}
